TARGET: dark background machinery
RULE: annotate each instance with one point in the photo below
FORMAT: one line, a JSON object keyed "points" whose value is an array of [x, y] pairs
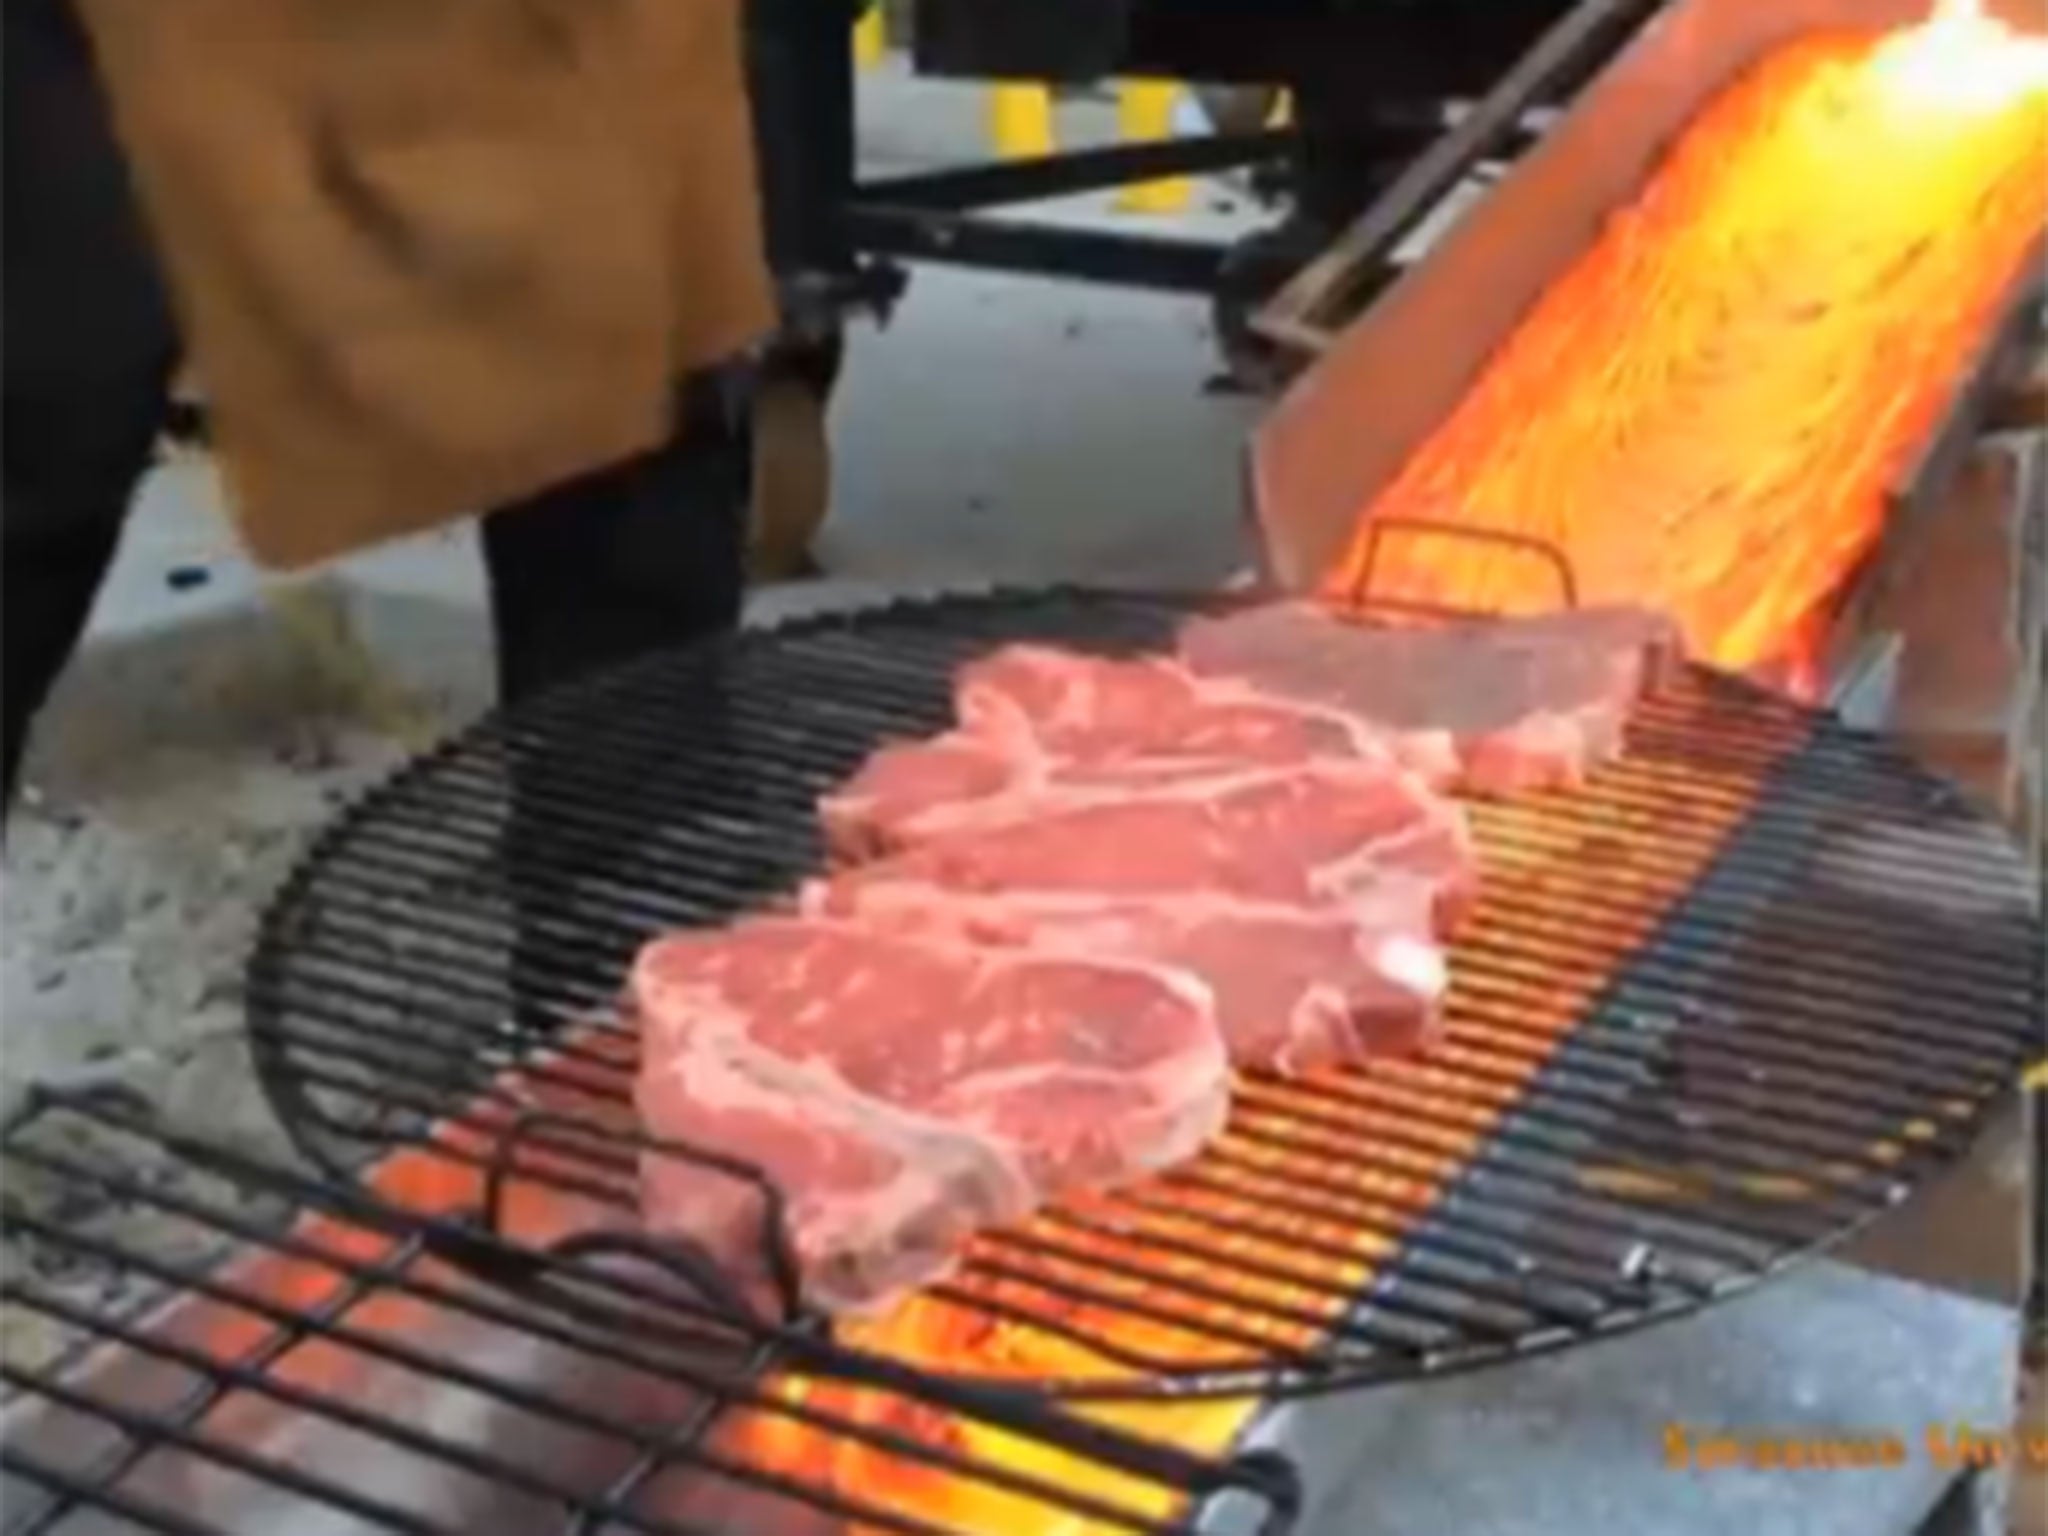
{"points": [[1373, 84], [1370, 80]]}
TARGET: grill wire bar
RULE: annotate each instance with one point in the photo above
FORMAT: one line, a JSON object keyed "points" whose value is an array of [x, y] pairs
{"points": [[1716, 1011], [206, 1343]]}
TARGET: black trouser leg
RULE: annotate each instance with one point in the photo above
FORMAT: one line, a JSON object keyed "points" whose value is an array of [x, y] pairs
{"points": [[49, 590], [89, 349], [641, 557], [633, 558]]}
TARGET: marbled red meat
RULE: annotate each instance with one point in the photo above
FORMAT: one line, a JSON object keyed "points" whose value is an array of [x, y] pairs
{"points": [[902, 1093], [1045, 731], [1528, 703], [1297, 986], [1308, 898]]}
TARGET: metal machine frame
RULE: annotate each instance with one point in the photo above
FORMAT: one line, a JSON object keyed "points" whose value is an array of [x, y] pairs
{"points": [[838, 240]]}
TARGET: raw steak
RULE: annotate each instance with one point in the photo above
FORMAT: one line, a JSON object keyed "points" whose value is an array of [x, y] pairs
{"points": [[1091, 709], [1307, 897], [1297, 987], [1046, 731], [884, 805], [902, 1092], [1071, 704], [1302, 834], [1531, 703]]}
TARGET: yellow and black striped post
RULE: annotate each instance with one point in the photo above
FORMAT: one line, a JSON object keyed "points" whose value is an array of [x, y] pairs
{"points": [[1145, 116], [1020, 119], [871, 36]]}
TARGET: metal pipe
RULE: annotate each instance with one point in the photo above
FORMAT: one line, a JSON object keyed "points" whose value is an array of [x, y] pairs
{"points": [[1061, 175], [1124, 260], [1296, 315]]}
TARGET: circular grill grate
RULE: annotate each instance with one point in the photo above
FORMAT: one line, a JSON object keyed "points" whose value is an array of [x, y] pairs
{"points": [[1715, 1011]]}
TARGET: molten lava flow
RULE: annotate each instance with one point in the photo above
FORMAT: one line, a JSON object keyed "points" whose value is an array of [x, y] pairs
{"points": [[1707, 410]]}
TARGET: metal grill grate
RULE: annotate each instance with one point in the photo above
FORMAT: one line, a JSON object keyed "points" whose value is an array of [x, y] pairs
{"points": [[183, 1358], [1715, 1010]]}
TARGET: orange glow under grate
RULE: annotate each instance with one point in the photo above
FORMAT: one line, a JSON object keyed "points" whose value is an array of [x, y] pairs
{"points": [[1708, 410]]}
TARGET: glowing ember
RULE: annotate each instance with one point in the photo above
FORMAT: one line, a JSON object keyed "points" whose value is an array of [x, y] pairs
{"points": [[928, 1332], [1708, 409]]}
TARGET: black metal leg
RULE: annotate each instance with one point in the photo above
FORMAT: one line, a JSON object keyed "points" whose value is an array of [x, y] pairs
{"points": [[585, 576], [800, 72]]}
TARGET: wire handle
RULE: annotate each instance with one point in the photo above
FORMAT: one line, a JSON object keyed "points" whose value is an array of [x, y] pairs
{"points": [[1551, 555], [682, 1257]]}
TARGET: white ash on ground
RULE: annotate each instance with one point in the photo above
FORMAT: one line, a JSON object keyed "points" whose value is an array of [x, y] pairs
{"points": [[177, 777], [128, 919]]}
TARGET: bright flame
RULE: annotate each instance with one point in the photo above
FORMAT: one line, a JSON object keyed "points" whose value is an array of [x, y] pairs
{"points": [[1963, 60]]}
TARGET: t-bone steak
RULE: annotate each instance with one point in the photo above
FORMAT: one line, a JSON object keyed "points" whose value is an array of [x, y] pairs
{"points": [[1530, 703], [902, 1093], [1044, 731], [1309, 898]]}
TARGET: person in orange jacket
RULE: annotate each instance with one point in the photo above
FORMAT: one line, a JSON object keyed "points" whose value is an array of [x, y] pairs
{"points": [[428, 259]]}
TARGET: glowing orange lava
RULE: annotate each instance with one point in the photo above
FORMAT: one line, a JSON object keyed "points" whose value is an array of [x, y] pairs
{"points": [[1708, 410]]}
